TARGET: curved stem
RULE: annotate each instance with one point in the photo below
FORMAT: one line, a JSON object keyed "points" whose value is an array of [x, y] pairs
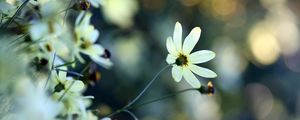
{"points": [[162, 98], [67, 11], [70, 72], [131, 114], [50, 72], [147, 86], [126, 109]]}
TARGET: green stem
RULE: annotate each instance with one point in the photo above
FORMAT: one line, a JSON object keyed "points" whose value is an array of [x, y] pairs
{"points": [[50, 72], [65, 64], [126, 109], [71, 72], [162, 98], [147, 86]]}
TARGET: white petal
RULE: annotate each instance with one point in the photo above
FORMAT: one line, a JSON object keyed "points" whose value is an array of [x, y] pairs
{"points": [[106, 63], [204, 72], [62, 74], [171, 59], [201, 56], [94, 50], [94, 35], [177, 73], [177, 36], [76, 87], [80, 59], [191, 40], [38, 30], [171, 46], [86, 19], [191, 78], [79, 18]]}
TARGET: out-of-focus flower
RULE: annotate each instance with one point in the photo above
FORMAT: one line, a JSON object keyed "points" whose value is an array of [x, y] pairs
{"points": [[106, 118], [120, 12], [62, 83], [96, 3], [68, 91], [75, 106], [12, 67], [34, 104], [91, 116], [49, 32], [7, 10], [86, 36], [183, 62]]}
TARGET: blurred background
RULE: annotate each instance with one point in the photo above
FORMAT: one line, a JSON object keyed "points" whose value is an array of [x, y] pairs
{"points": [[257, 62]]}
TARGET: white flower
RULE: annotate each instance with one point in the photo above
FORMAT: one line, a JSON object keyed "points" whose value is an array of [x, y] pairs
{"points": [[91, 116], [183, 62], [61, 83], [68, 92], [34, 103], [86, 36], [76, 105]]}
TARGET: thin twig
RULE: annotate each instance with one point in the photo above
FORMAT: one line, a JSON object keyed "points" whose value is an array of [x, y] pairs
{"points": [[161, 98], [50, 72], [147, 86], [66, 12], [131, 114]]}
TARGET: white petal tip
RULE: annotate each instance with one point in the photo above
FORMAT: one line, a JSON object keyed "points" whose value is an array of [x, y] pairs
{"points": [[213, 54], [177, 23], [197, 29], [212, 76]]}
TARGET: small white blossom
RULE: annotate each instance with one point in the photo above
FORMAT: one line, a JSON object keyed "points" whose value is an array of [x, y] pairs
{"points": [[184, 61], [86, 36]]}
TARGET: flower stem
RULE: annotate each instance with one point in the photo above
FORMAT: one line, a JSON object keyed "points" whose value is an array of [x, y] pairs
{"points": [[125, 108], [70, 72], [66, 12], [147, 86], [50, 72], [162, 98]]}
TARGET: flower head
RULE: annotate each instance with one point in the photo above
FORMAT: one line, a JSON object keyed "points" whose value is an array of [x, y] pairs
{"points": [[184, 61], [86, 36]]}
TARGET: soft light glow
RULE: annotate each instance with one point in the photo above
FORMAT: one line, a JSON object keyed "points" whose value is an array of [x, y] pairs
{"points": [[190, 2], [263, 45], [224, 7], [261, 99]]}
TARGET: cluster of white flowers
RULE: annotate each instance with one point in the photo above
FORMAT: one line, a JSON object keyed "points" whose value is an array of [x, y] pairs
{"points": [[50, 45], [43, 85]]}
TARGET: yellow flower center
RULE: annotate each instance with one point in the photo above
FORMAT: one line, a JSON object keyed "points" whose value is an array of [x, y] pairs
{"points": [[181, 60], [85, 44]]}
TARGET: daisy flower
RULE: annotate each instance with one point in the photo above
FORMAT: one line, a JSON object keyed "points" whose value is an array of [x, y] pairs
{"points": [[61, 83], [86, 36], [184, 61]]}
